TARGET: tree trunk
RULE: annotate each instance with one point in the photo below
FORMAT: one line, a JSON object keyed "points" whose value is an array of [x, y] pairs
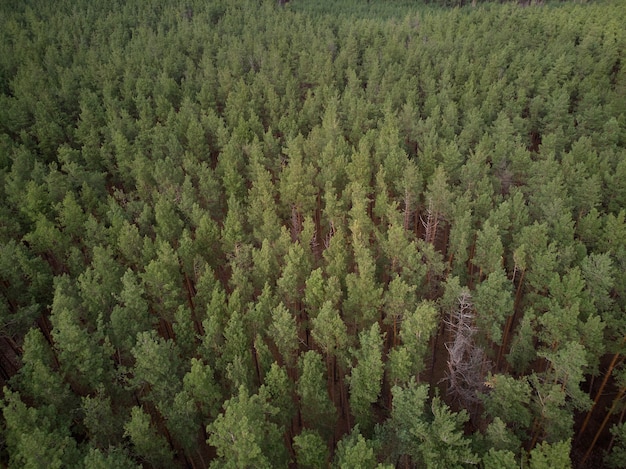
{"points": [[608, 373], [619, 396], [433, 354], [407, 209], [45, 328], [471, 264], [510, 321], [619, 422]]}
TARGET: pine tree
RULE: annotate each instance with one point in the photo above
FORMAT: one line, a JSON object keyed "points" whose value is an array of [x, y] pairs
{"points": [[311, 451], [130, 316], [316, 409], [554, 455], [355, 451], [366, 376], [157, 369], [283, 331], [493, 303], [199, 383], [417, 329], [113, 458], [34, 437], [399, 299], [103, 422], [84, 355], [147, 443], [243, 436]]}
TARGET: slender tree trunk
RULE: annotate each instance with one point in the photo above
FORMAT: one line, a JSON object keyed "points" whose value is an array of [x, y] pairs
{"points": [[536, 430], [446, 239], [619, 396], [168, 436], [330, 377], [190, 294], [199, 453], [318, 236], [607, 375], [505, 337], [471, 264], [167, 326], [45, 328], [407, 209], [434, 353], [449, 268], [518, 292], [257, 366], [621, 419], [510, 320], [416, 225], [344, 398], [592, 382], [189, 460], [17, 350]]}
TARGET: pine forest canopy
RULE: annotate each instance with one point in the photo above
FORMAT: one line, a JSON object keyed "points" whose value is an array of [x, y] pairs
{"points": [[322, 234]]}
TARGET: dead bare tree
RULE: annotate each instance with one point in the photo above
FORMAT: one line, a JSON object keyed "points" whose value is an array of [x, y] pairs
{"points": [[430, 224], [467, 363]]}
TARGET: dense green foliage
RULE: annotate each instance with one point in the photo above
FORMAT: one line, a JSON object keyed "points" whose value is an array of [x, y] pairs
{"points": [[235, 234]]}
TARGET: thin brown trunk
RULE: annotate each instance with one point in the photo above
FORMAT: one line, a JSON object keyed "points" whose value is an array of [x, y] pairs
{"points": [[168, 436], [190, 294], [510, 321], [434, 354], [604, 422], [471, 264], [189, 460], [296, 223], [407, 209], [330, 374], [45, 328], [446, 239], [199, 453], [319, 238], [505, 337], [257, 366], [344, 399], [303, 318], [621, 419], [607, 375], [450, 259], [169, 330], [536, 430], [518, 292], [416, 224], [592, 383], [395, 330], [17, 350]]}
